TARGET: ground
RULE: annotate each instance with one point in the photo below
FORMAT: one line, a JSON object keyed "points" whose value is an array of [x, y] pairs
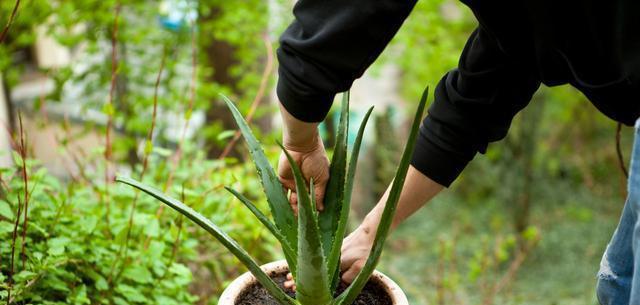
{"points": [[574, 229]]}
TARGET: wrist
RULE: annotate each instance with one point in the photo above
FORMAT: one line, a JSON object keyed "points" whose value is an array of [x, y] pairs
{"points": [[372, 220], [297, 135], [306, 142], [370, 223]]}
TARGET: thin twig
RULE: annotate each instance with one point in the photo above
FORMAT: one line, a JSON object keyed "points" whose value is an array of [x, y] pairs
{"points": [[192, 94], [259, 96], [147, 152], [3, 35], [25, 180], [108, 145], [14, 237], [619, 151], [122, 253]]}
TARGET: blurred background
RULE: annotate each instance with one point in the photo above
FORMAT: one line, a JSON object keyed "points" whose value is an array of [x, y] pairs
{"points": [[90, 89]]}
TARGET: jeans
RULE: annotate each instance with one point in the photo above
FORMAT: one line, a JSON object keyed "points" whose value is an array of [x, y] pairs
{"points": [[619, 275]]}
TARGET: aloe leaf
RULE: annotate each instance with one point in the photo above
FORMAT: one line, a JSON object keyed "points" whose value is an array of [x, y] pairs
{"points": [[288, 251], [222, 237], [312, 283], [334, 257], [278, 202], [350, 294], [312, 195], [328, 219]]}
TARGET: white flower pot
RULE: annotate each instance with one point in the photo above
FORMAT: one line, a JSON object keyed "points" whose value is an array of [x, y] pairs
{"points": [[238, 286]]}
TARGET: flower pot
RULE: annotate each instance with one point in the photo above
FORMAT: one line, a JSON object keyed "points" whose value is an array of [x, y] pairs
{"points": [[247, 280]]}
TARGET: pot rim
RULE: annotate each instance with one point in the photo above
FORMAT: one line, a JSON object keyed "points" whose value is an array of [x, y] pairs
{"points": [[247, 279]]}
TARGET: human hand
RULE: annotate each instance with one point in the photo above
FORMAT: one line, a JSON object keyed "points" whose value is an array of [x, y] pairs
{"points": [[355, 252], [314, 164]]}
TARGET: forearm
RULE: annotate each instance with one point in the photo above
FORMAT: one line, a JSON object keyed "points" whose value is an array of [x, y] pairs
{"points": [[330, 44], [418, 189], [296, 134]]}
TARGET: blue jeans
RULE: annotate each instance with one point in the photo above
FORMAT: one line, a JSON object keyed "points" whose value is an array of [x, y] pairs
{"points": [[619, 275]]}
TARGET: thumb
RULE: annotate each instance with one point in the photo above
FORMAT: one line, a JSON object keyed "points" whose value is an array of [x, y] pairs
{"points": [[351, 273]]}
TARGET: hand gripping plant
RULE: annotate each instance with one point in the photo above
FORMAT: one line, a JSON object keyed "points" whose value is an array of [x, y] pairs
{"points": [[312, 242]]}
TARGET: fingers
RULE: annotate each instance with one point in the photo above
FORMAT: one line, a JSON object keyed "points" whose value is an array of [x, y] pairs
{"points": [[344, 262], [350, 274], [289, 188], [290, 283], [293, 200], [319, 190], [293, 197]]}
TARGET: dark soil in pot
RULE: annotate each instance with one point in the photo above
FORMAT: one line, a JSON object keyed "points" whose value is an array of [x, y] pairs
{"points": [[372, 294]]}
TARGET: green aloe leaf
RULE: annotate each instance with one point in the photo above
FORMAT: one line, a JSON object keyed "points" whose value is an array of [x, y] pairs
{"points": [[334, 194], [278, 202], [312, 281], [288, 251], [350, 294], [222, 237], [334, 257]]}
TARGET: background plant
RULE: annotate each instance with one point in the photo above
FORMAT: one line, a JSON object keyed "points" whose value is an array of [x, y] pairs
{"points": [[575, 188], [312, 248]]}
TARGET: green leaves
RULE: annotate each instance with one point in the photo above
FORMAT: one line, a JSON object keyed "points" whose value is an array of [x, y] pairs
{"points": [[5, 210], [334, 194], [278, 202], [218, 234], [349, 295], [286, 247], [334, 256], [312, 279]]}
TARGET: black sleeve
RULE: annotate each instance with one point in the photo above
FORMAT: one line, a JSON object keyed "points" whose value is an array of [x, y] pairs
{"points": [[474, 105], [328, 46]]}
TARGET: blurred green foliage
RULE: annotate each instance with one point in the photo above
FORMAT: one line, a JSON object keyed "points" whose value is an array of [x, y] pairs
{"points": [[74, 251], [143, 45]]}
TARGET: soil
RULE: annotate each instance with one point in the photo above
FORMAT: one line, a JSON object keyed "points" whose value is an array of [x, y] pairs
{"points": [[372, 294]]}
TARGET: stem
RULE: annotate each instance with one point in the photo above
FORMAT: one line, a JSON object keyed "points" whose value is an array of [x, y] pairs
{"points": [[14, 237], [125, 246], [177, 157], [192, 93], [147, 151], [108, 145], [623, 168], [3, 35], [619, 151], [25, 180]]}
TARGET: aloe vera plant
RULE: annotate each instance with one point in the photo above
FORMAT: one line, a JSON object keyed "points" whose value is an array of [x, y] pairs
{"points": [[311, 242]]}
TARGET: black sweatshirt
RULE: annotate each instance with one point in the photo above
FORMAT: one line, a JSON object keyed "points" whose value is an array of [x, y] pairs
{"points": [[593, 45]]}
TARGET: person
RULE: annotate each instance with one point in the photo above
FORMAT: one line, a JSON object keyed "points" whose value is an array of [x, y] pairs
{"points": [[517, 46]]}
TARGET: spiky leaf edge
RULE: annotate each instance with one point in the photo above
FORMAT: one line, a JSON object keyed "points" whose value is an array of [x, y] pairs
{"points": [[218, 234], [352, 292], [334, 194], [312, 282], [334, 257], [278, 202], [286, 248]]}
